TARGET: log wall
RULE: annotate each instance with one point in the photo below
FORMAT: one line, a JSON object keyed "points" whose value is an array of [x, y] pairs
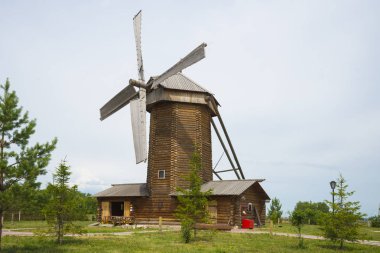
{"points": [[255, 195], [175, 130]]}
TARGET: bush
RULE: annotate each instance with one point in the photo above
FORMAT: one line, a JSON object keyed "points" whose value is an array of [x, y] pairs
{"points": [[375, 221], [313, 211]]}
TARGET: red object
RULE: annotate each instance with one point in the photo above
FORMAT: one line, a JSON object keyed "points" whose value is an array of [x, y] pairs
{"points": [[246, 223]]}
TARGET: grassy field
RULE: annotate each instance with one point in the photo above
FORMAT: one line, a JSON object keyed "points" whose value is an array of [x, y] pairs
{"points": [[365, 233], [170, 242]]}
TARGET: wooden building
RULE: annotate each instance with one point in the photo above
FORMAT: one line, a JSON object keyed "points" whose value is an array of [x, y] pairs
{"points": [[181, 114]]}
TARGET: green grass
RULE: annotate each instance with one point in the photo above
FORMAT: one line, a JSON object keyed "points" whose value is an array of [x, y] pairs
{"points": [[365, 233], [170, 242]]}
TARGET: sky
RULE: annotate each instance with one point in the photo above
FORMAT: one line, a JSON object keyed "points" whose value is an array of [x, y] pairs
{"points": [[298, 82]]}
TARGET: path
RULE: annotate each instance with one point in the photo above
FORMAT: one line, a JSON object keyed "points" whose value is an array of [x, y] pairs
{"points": [[313, 237], [19, 233]]}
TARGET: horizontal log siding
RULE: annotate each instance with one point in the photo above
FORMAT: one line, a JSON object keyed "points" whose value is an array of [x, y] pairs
{"points": [[225, 208], [254, 195], [175, 129]]}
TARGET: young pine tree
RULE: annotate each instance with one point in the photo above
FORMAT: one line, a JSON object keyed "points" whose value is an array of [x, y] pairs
{"points": [[342, 223], [63, 206], [20, 163], [192, 206]]}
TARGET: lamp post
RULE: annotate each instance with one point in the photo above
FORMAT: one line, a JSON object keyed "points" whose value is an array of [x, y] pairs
{"points": [[332, 185]]}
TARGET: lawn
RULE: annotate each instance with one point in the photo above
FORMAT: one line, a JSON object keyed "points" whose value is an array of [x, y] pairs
{"points": [[170, 242]]}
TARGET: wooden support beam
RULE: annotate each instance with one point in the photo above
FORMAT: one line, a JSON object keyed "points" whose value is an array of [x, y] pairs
{"points": [[231, 147], [221, 171], [216, 174], [216, 165], [224, 147]]}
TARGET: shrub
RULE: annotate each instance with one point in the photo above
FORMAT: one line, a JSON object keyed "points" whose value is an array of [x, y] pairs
{"points": [[375, 221]]}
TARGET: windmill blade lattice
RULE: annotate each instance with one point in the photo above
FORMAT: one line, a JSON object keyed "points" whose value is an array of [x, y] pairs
{"points": [[138, 106]]}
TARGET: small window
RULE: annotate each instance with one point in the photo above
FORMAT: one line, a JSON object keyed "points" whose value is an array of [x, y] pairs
{"points": [[161, 174], [250, 207]]}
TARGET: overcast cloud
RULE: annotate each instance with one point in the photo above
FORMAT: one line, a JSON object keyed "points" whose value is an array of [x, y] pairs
{"points": [[298, 82]]}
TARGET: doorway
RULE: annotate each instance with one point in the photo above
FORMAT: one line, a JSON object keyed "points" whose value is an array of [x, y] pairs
{"points": [[117, 208]]}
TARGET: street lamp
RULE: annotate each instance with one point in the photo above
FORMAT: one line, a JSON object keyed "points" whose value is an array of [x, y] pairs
{"points": [[332, 185]]}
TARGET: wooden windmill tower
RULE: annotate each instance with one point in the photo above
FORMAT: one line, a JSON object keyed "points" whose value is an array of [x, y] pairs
{"points": [[181, 118]]}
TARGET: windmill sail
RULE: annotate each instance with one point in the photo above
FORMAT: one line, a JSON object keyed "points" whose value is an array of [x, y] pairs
{"points": [[137, 29], [117, 102], [138, 106], [194, 56], [138, 110]]}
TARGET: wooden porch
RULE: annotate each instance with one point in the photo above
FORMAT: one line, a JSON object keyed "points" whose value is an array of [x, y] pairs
{"points": [[118, 220]]}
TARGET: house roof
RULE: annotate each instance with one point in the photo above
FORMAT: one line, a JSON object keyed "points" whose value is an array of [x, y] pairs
{"points": [[221, 188], [181, 82], [124, 190], [229, 187]]}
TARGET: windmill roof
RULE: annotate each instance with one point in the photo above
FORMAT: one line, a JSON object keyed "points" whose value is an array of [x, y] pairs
{"points": [[124, 190], [181, 82]]}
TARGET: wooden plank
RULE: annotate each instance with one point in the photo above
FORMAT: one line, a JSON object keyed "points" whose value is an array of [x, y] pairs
{"points": [[127, 206], [105, 210]]}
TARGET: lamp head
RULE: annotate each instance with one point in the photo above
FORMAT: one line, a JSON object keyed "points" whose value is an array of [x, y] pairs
{"points": [[332, 185]]}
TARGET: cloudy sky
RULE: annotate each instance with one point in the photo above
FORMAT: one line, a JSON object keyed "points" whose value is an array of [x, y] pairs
{"points": [[298, 82]]}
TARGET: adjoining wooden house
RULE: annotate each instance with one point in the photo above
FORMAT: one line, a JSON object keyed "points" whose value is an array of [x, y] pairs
{"points": [[230, 202], [181, 118]]}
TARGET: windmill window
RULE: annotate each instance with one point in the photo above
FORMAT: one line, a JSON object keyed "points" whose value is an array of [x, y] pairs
{"points": [[161, 174]]}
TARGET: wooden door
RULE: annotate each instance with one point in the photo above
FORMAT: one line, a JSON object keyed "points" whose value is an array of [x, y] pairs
{"points": [[105, 211], [127, 208], [213, 211]]}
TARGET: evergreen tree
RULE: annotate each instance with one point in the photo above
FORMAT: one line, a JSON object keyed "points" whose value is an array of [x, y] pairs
{"points": [[274, 211], [63, 206], [192, 206], [343, 222], [20, 164]]}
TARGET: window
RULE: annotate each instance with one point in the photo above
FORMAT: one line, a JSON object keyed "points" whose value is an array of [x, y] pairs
{"points": [[161, 174], [250, 207]]}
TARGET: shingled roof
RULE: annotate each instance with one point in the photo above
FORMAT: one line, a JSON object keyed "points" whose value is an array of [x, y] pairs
{"points": [[229, 187], [221, 188], [181, 82], [124, 190]]}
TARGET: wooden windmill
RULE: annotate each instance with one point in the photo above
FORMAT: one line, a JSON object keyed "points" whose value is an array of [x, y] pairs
{"points": [[172, 99], [181, 118]]}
